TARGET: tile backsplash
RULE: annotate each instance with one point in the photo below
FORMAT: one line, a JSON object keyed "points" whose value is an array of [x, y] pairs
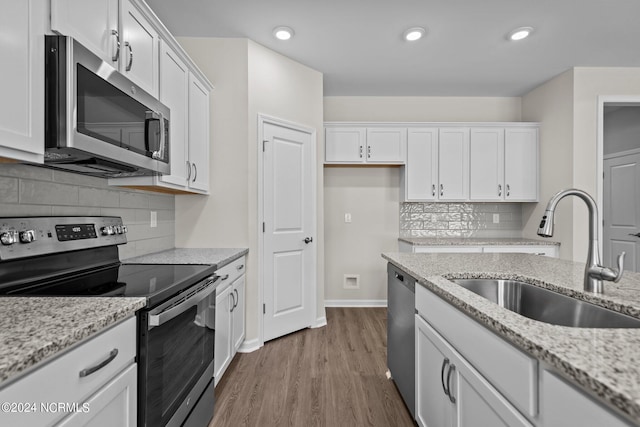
{"points": [[35, 191], [460, 219]]}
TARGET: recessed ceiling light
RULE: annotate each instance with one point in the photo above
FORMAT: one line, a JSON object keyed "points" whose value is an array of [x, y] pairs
{"points": [[519, 33], [283, 33], [413, 34]]}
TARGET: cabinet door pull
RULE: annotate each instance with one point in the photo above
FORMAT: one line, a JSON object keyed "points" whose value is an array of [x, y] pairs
{"points": [[508, 190], [195, 172], [236, 299], [89, 371], [130, 63], [499, 189], [233, 302], [445, 363], [188, 171], [442, 189], [368, 152], [433, 190], [451, 396], [116, 54], [361, 149]]}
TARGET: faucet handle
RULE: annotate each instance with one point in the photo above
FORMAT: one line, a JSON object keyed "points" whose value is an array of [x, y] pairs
{"points": [[620, 267]]}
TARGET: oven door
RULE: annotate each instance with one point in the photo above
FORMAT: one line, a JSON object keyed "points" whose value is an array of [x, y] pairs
{"points": [[176, 355]]}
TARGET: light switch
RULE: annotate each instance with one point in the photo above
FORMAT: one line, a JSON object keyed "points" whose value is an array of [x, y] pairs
{"points": [[347, 217]]}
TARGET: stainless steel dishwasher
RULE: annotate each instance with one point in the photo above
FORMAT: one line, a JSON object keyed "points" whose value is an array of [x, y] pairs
{"points": [[401, 302]]}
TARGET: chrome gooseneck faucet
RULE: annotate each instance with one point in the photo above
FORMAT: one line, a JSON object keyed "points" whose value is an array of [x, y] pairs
{"points": [[594, 273]]}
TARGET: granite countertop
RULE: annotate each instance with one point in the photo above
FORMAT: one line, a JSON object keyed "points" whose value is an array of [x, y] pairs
{"points": [[217, 257], [475, 241], [33, 329], [602, 361]]}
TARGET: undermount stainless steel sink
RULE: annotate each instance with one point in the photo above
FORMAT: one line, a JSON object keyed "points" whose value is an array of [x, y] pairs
{"points": [[546, 306]]}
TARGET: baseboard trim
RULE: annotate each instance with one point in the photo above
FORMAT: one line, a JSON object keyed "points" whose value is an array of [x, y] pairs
{"points": [[320, 322], [355, 303], [249, 346]]}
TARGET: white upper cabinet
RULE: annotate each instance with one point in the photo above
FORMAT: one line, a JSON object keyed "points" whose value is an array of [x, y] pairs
{"points": [[93, 23], [386, 145], [420, 180], [504, 164], [486, 164], [358, 145], [116, 31], [174, 93], [198, 135], [453, 164], [23, 24], [139, 48], [521, 164]]}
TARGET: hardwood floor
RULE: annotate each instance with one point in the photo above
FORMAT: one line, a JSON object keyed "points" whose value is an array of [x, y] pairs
{"points": [[329, 376]]}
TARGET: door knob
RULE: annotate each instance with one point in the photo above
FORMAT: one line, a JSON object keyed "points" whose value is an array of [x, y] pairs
{"points": [[308, 240], [637, 234]]}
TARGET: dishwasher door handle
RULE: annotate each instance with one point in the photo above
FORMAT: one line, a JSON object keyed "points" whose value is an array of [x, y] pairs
{"points": [[399, 276]]}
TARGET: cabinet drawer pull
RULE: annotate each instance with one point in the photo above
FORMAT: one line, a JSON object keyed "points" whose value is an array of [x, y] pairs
{"points": [[240, 267], [451, 396], [225, 277], [445, 363], [89, 371]]}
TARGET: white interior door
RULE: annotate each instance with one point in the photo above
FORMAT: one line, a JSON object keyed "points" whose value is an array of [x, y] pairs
{"points": [[289, 230], [622, 210]]}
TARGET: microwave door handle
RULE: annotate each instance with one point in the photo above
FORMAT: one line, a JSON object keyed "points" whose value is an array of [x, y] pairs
{"points": [[160, 316], [159, 154]]}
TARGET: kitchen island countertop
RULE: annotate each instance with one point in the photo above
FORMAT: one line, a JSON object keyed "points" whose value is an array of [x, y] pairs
{"points": [[603, 362], [32, 329], [217, 257]]}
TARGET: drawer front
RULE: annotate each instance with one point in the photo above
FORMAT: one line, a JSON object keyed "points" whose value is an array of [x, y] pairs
{"points": [[230, 272], [59, 380], [511, 371], [447, 249], [550, 251]]}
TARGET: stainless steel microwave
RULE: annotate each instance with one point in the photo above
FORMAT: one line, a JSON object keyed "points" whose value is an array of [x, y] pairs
{"points": [[98, 122]]}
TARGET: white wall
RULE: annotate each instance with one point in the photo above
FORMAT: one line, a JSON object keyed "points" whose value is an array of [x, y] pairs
{"points": [[248, 79], [371, 194], [551, 104]]}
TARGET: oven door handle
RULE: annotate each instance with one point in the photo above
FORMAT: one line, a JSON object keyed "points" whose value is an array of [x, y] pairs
{"points": [[172, 309]]}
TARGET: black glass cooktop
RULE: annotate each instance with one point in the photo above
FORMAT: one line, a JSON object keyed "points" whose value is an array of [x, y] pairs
{"points": [[156, 282]]}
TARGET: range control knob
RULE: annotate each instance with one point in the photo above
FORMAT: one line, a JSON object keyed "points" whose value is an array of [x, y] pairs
{"points": [[118, 229], [124, 229], [27, 236], [8, 238], [107, 231]]}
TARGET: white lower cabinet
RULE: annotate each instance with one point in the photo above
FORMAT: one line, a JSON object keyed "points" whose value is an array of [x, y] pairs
{"points": [[229, 316], [563, 405], [94, 384], [450, 392]]}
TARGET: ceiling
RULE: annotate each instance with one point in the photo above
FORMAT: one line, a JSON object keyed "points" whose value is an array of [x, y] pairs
{"points": [[358, 45]]}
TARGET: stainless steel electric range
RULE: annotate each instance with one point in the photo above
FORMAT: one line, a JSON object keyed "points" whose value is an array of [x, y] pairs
{"points": [[78, 256]]}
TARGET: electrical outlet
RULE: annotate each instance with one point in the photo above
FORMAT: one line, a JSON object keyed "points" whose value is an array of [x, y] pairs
{"points": [[154, 219], [347, 217], [496, 218]]}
